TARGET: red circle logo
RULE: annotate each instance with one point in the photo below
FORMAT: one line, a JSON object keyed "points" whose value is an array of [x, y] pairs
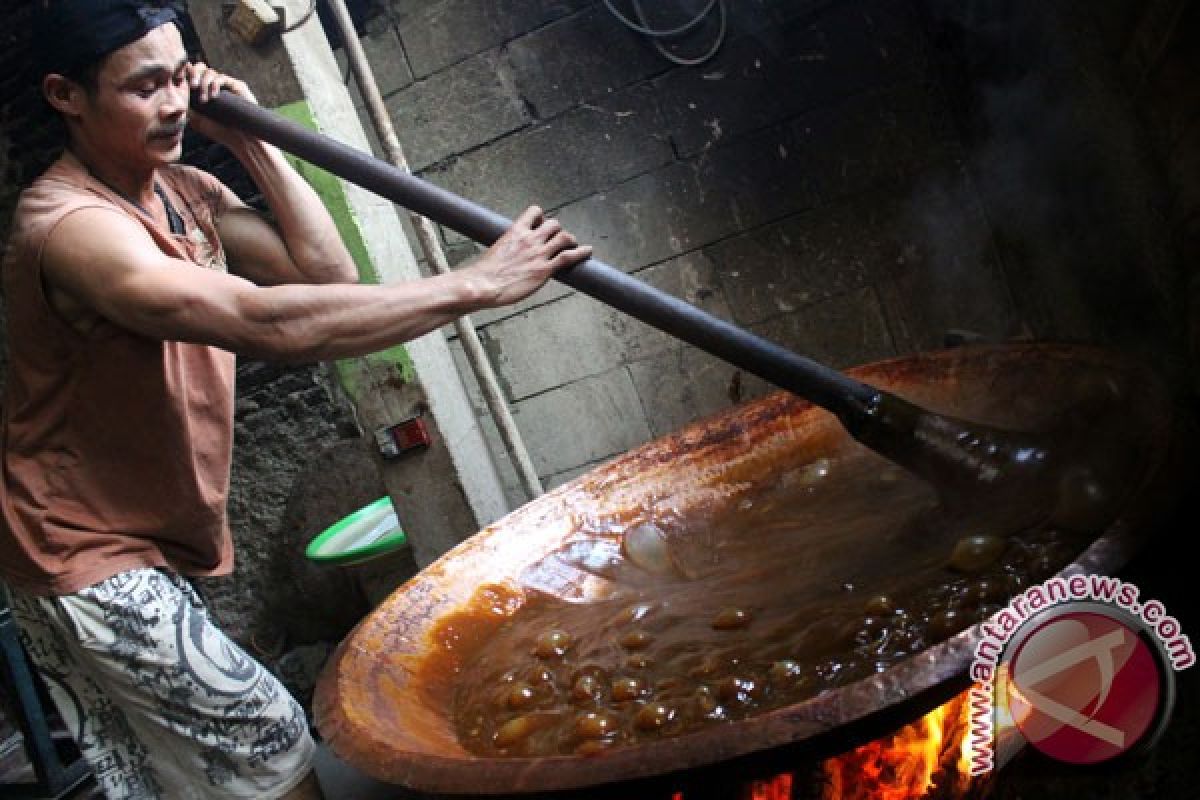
{"points": [[1084, 687]]}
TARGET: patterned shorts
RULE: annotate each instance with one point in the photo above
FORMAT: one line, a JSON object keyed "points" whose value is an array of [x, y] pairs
{"points": [[161, 702]]}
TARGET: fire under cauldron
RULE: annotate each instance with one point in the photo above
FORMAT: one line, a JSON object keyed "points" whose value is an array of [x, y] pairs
{"points": [[381, 708]]}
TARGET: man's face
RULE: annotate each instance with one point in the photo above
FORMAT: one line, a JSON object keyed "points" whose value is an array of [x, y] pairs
{"points": [[136, 114]]}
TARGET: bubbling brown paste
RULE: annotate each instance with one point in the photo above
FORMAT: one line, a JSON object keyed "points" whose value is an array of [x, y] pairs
{"points": [[839, 570]]}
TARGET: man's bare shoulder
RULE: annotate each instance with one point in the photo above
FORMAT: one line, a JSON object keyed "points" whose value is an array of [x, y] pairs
{"points": [[86, 254]]}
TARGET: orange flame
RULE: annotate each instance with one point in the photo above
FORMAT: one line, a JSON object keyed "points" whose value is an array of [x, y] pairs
{"points": [[908, 765], [777, 788], [927, 759]]}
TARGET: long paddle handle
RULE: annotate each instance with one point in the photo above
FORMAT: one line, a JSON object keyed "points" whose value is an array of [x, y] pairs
{"points": [[847, 398]]}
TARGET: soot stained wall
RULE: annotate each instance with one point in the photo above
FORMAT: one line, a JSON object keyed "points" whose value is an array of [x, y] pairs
{"points": [[855, 180]]}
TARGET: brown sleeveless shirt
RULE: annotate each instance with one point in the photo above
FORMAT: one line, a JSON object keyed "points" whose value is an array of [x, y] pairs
{"points": [[115, 447]]}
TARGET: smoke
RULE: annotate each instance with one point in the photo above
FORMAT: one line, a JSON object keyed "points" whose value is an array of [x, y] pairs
{"points": [[1061, 169]]}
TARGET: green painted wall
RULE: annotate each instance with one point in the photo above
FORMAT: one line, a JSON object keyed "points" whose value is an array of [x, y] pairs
{"points": [[388, 364]]}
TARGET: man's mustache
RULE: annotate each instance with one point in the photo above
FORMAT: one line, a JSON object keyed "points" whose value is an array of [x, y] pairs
{"points": [[168, 131]]}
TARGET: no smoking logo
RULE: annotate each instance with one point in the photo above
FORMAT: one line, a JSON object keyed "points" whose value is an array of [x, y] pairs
{"points": [[1085, 687]]}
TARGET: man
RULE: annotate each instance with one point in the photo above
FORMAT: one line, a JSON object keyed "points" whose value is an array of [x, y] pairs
{"points": [[131, 281]]}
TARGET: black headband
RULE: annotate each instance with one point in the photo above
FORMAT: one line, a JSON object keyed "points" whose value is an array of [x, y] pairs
{"points": [[72, 34]]}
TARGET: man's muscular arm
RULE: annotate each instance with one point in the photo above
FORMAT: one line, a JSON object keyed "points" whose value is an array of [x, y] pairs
{"points": [[107, 262], [304, 245]]}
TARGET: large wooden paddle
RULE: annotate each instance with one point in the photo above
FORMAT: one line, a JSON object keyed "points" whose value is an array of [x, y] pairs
{"points": [[1058, 476]]}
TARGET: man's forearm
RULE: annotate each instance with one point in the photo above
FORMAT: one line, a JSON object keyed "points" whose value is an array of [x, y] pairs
{"points": [[307, 230], [303, 322]]}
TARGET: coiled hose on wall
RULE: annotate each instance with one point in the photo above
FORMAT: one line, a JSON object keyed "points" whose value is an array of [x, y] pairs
{"points": [[658, 35]]}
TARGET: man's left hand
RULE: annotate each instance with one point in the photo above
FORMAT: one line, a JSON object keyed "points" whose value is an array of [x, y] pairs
{"points": [[206, 83]]}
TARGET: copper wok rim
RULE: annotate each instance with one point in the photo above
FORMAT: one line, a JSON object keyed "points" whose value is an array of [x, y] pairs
{"points": [[915, 685]]}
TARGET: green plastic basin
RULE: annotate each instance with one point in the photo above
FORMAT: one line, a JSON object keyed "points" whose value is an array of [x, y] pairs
{"points": [[372, 531]]}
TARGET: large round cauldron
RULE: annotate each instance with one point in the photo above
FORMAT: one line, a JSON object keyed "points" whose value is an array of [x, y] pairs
{"points": [[378, 713]]}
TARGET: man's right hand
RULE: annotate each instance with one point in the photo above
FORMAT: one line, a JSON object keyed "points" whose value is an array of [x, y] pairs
{"points": [[524, 258]]}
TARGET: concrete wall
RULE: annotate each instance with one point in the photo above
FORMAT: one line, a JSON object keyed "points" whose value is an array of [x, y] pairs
{"points": [[849, 179], [807, 184]]}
